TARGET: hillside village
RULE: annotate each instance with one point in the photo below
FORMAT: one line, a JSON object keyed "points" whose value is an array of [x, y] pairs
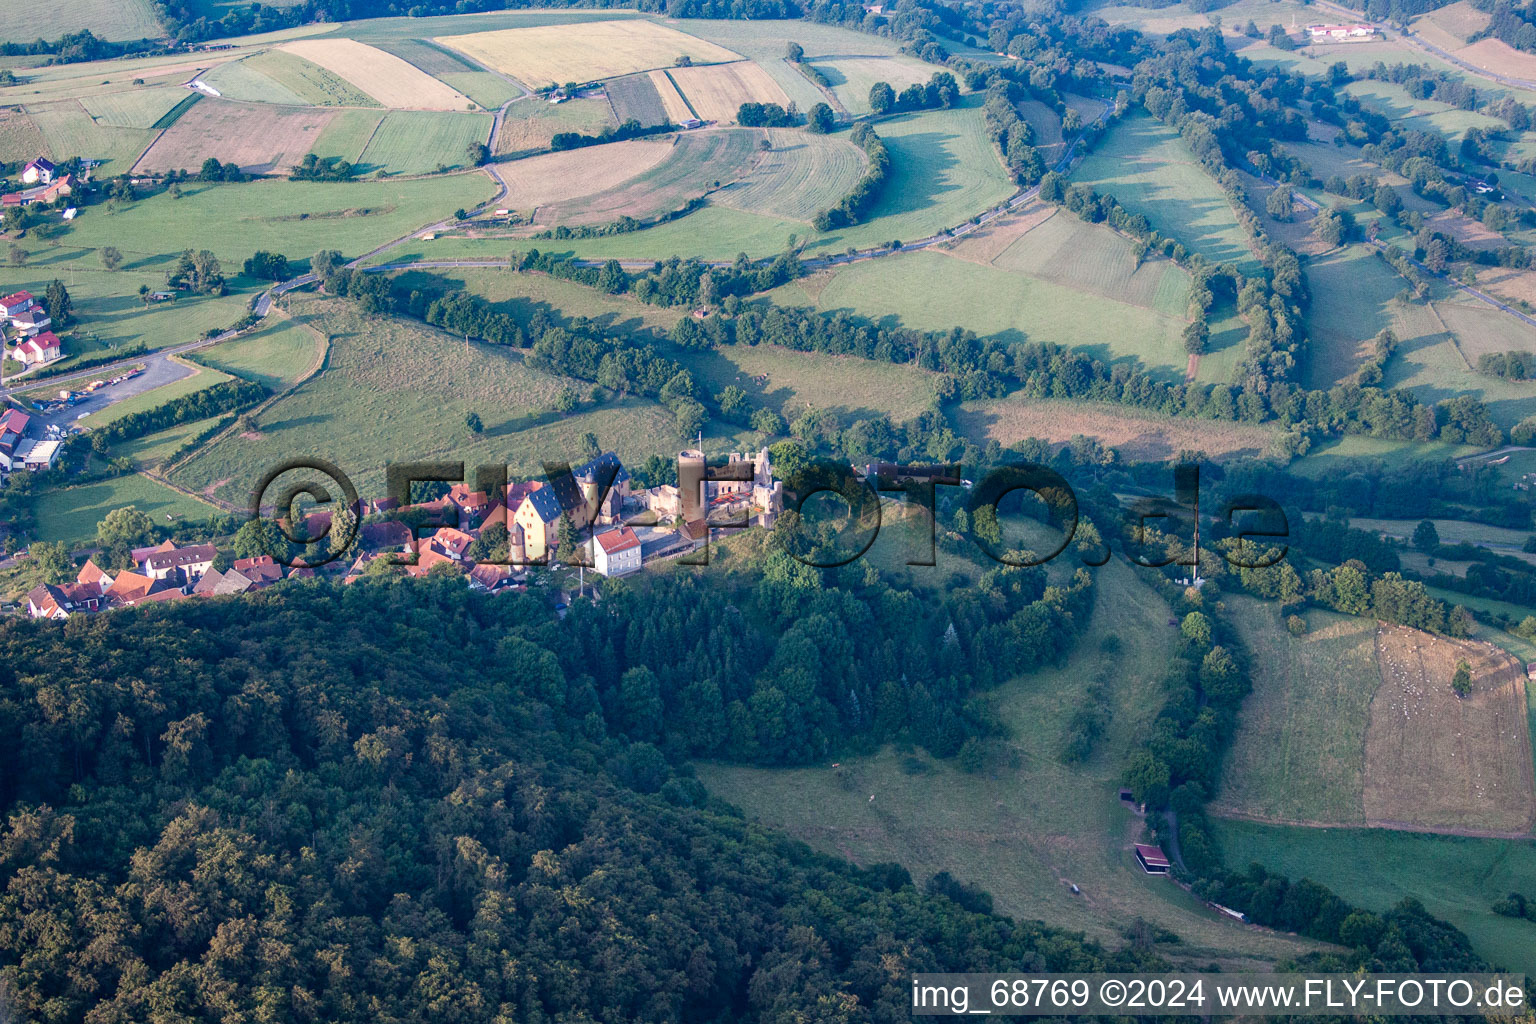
{"points": [[592, 517]]}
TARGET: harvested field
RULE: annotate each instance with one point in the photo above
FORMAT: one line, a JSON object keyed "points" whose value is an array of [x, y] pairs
{"points": [[1508, 284], [1093, 258], [559, 177], [140, 108], [673, 104], [530, 125], [422, 141], [1467, 231], [555, 54], [1140, 438], [387, 78], [1047, 126], [1450, 27], [637, 97], [1499, 57], [70, 132], [716, 93], [801, 176], [1439, 762], [852, 76], [696, 163], [989, 241], [261, 138]]}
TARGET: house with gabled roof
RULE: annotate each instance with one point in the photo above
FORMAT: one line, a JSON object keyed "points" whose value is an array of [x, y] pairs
{"points": [[31, 322], [261, 571], [15, 302], [617, 552], [39, 171], [44, 348], [180, 564]]}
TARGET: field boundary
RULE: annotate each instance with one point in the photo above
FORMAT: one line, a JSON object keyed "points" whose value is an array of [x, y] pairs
{"points": [[1231, 814], [679, 89]]}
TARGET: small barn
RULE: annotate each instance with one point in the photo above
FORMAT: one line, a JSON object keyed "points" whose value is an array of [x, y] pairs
{"points": [[1151, 859]]}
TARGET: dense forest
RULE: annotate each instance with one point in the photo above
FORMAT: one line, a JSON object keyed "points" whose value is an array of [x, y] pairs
{"points": [[400, 801]]}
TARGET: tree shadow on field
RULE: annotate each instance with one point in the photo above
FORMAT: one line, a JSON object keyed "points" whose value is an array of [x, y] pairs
{"points": [[919, 163]]}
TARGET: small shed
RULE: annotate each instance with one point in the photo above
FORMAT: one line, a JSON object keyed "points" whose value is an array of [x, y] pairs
{"points": [[1151, 859]]}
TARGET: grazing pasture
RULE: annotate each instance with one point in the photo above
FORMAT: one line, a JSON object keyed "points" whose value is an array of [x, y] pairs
{"points": [[673, 103], [538, 181], [638, 97], [1147, 167], [1299, 753], [852, 76], [70, 131], [261, 138], [1450, 27], [1440, 762], [1436, 359], [276, 355], [555, 54], [715, 92], [697, 163], [111, 20], [529, 125], [1354, 297], [1027, 827], [1142, 437], [137, 108], [394, 389], [801, 176], [423, 141], [380, 74], [71, 513]]}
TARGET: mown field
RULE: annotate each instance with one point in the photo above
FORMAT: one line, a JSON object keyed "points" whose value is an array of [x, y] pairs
{"points": [[531, 124], [801, 176], [1354, 297], [261, 138], [1150, 171], [112, 20], [555, 54], [397, 391], [347, 134], [1447, 338], [716, 92], [69, 131], [423, 141], [1140, 437], [379, 74], [276, 76], [1026, 827], [1299, 754], [548, 178], [276, 355], [635, 97], [137, 108], [852, 76], [1455, 878], [71, 513]]}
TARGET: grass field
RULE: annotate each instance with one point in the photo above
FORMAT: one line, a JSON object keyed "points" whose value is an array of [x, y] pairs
{"points": [[347, 134], [112, 20], [1299, 754], [1147, 167], [71, 513], [1140, 437], [395, 391], [423, 141], [556, 54], [696, 163], [137, 108], [636, 97], [1451, 531], [312, 83], [380, 74], [276, 355], [559, 177], [69, 132], [1025, 828], [1446, 339], [1454, 877], [297, 218], [1436, 761], [715, 92], [674, 104], [932, 291], [1450, 27], [19, 134], [241, 80], [802, 175], [1354, 297], [427, 57], [151, 450], [261, 138], [852, 76], [525, 295]]}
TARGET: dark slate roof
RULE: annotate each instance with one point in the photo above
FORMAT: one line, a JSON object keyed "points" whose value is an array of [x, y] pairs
{"points": [[600, 467], [546, 504]]}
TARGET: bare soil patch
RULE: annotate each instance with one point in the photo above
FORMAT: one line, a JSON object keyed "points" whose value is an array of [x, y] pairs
{"points": [[992, 239], [1143, 438], [1500, 58], [1467, 231], [260, 137], [558, 177]]}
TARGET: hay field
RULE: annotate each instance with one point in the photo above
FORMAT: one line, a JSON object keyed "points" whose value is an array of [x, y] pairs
{"points": [[1147, 167], [312, 83], [430, 59], [1439, 762], [801, 176], [852, 76], [1142, 437], [112, 20], [1299, 752], [382, 75], [716, 92], [1027, 827], [1499, 57], [260, 137], [697, 163], [673, 103], [1092, 258], [348, 134], [990, 240], [529, 125], [276, 355], [421, 141], [139, 108], [20, 138], [558, 177], [1450, 27], [240, 80], [638, 97], [555, 54], [70, 131], [1354, 297]]}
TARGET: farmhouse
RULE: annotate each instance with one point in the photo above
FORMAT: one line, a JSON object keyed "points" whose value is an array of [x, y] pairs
{"points": [[1326, 32], [44, 348], [617, 552], [40, 194], [172, 563], [1151, 859], [261, 571], [39, 171]]}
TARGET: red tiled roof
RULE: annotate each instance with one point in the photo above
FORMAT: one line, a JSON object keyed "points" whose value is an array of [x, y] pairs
{"points": [[454, 542], [90, 572], [618, 540], [1152, 855], [16, 420], [16, 299]]}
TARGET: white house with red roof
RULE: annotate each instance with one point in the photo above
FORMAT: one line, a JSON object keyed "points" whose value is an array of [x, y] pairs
{"points": [[44, 348], [38, 172], [617, 552], [15, 302]]}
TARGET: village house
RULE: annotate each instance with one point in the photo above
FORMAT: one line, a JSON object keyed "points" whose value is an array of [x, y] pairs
{"points": [[44, 348], [13, 425], [41, 194], [617, 552], [15, 303], [262, 570], [38, 172], [1320, 33], [593, 493], [31, 321], [179, 564]]}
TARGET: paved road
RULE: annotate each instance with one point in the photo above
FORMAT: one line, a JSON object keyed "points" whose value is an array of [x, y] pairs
{"points": [[1421, 43]]}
